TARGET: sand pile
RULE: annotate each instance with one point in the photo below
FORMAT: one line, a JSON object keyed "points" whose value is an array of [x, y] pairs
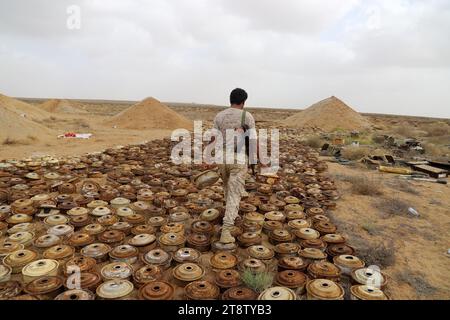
{"points": [[328, 115], [21, 108], [149, 114], [18, 128], [60, 106]]}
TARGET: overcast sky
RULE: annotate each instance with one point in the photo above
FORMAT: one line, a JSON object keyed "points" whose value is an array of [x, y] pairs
{"points": [[383, 56]]}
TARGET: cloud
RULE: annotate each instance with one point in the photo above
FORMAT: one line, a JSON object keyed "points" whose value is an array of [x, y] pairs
{"points": [[379, 56]]}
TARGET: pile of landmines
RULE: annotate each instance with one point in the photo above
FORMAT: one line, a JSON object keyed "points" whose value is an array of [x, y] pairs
{"points": [[126, 223]]}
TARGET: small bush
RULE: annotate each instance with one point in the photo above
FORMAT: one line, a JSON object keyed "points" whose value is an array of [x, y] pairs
{"points": [[393, 206], [259, 281], [354, 153], [314, 142], [369, 227], [382, 255], [366, 186]]}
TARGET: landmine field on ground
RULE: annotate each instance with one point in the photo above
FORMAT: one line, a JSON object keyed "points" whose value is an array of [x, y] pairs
{"points": [[137, 228]]}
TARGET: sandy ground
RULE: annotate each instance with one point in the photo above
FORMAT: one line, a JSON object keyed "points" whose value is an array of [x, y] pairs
{"points": [[103, 137], [68, 147], [410, 250]]}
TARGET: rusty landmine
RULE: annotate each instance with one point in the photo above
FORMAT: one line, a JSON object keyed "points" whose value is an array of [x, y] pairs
{"points": [[228, 278], [146, 274], [292, 279], [201, 290], [156, 290], [239, 293], [292, 263], [223, 260]]}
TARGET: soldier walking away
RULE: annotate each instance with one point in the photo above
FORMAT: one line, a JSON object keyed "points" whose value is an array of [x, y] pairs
{"points": [[233, 174]]}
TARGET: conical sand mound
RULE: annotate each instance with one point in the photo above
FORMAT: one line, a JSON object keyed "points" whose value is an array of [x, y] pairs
{"points": [[21, 108], [328, 115], [149, 114], [60, 106], [19, 128]]}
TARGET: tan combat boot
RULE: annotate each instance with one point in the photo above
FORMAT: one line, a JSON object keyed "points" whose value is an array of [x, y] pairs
{"points": [[226, 236]]}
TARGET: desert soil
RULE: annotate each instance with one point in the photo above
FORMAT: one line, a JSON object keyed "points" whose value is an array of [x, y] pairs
{"points": [[412, 251]]}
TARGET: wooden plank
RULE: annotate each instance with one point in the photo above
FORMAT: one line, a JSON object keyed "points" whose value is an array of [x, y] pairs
{"points": [[413, 163], [440, 164], [432, 171]]}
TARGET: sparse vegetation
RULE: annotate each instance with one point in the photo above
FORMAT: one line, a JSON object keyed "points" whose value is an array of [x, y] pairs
{"points": [[404, 130], [392, 206], [314, 142], [369, 227], [417, 280], [402, 185], [434, 150], [436, 129], [354, 153], [382, 255], [81, 123], [9, 141], [362, 184], [258, 281]]}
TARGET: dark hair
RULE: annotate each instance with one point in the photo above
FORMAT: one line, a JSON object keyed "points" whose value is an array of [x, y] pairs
{"points": [[237, 96]]}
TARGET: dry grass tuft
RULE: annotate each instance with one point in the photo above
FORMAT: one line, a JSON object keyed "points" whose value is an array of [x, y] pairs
{"points": [[369, 227], [392, 206], [366, 186], [314, 142], [354, 153], [382, 255], [362, 184], [402, 185], [14, 142], [259, 281], [9, 141]]}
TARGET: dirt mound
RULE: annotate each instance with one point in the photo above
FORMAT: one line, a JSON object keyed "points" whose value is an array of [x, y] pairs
{"points": [[60, 106], [23, 109], [329, 114], [17, 128], [149, 114]]}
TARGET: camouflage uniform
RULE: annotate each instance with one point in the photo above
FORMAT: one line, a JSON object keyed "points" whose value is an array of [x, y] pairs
{"points": [[233, 175]]}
